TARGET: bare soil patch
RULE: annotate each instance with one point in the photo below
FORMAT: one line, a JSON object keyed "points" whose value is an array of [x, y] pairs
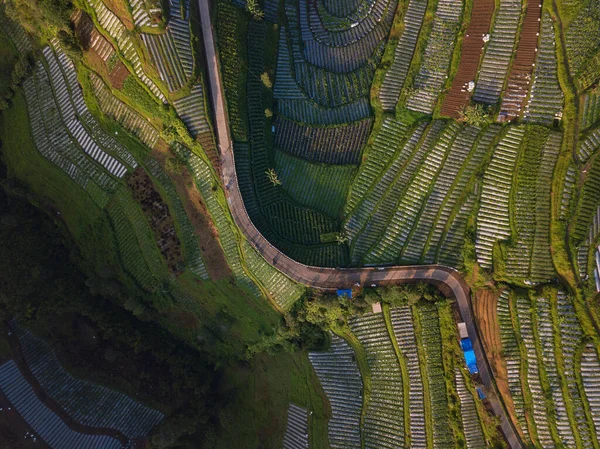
{"points": [[159, 217], [118, 75], [485, 307], [472, 49], [211, 250]]}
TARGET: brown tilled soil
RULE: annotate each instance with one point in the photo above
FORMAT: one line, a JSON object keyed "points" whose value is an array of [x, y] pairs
{"points": [[159, 217], [207, 235], [472, 48], [484, 307], [118, 75], [520, 77], [207, 141]]}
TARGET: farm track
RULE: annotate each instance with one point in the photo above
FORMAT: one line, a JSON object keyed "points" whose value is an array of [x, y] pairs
{"points": [[446, 279], [472, 48], [520, 78]]}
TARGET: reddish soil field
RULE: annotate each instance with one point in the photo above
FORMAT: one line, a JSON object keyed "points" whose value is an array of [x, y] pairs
{"points": [[212, 253], [484, 307], [159, 217], [472, 48], [521, 72], [118, 75], [207, 141]]}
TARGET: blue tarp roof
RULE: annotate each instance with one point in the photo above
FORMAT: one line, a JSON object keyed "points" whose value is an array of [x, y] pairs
{"points": [[470, 358], [480, 393], [347, 293]]}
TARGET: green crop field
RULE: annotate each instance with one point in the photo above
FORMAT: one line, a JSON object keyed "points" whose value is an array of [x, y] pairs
{"points": [[365, 134]]}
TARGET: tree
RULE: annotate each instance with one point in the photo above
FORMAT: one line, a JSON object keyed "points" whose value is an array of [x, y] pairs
{"points": [[254, 10], [341, 238], [474, 115], [266, 80], [273, 178]]}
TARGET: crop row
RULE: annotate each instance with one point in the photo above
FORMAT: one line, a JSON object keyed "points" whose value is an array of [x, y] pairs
{"points": [[192, 111], [377, 204], [530, 257], [498, 53], [585, 225], [395, 77], [443, 185], [87, 403], [589, 145], [532, 368], [591, 109], [512, 357], [518, 81], [402, 322], [44, 422], [123, 114], [468, 414], [141, 16], [493, 218], [296, 432], [230, 55], [436, 59], [384, 418], [569, 340], [553, 377], [66, 107], [165, 57], [319, 186], [567, 191], [53, 141], [295, 103], [349, 48], [331, 145], [590, 367], [387, 196], [581, 35], [339, 376], [344, 31], [15, 32], [280, 287], [450, 244], [410, 205], [388, 140], [113, 26], [546, 96], [328, 88], [432, 347]]}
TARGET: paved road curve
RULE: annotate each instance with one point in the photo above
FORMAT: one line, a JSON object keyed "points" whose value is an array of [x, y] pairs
{"points": [[446, 279]]}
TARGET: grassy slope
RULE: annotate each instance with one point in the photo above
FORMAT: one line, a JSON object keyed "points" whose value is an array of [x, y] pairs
{"points": [[262, 391], [7, 59]]}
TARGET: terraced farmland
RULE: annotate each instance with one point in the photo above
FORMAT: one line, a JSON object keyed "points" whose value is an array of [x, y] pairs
{"points": [[87, 403], [366, 133], [45, 423], [406, 400]]}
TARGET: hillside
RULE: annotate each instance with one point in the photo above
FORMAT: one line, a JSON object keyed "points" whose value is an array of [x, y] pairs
{"points": [[209, 173]]}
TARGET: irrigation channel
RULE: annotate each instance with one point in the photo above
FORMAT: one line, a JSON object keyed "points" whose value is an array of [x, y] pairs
{"points": [[448, 280]]}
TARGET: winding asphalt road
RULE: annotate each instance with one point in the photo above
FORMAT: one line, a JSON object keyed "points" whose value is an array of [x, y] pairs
{"points": [[448, 280]]}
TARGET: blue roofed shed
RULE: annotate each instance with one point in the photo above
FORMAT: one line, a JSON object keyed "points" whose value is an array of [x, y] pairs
{"points": [[470, 358], [346, 292]]}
